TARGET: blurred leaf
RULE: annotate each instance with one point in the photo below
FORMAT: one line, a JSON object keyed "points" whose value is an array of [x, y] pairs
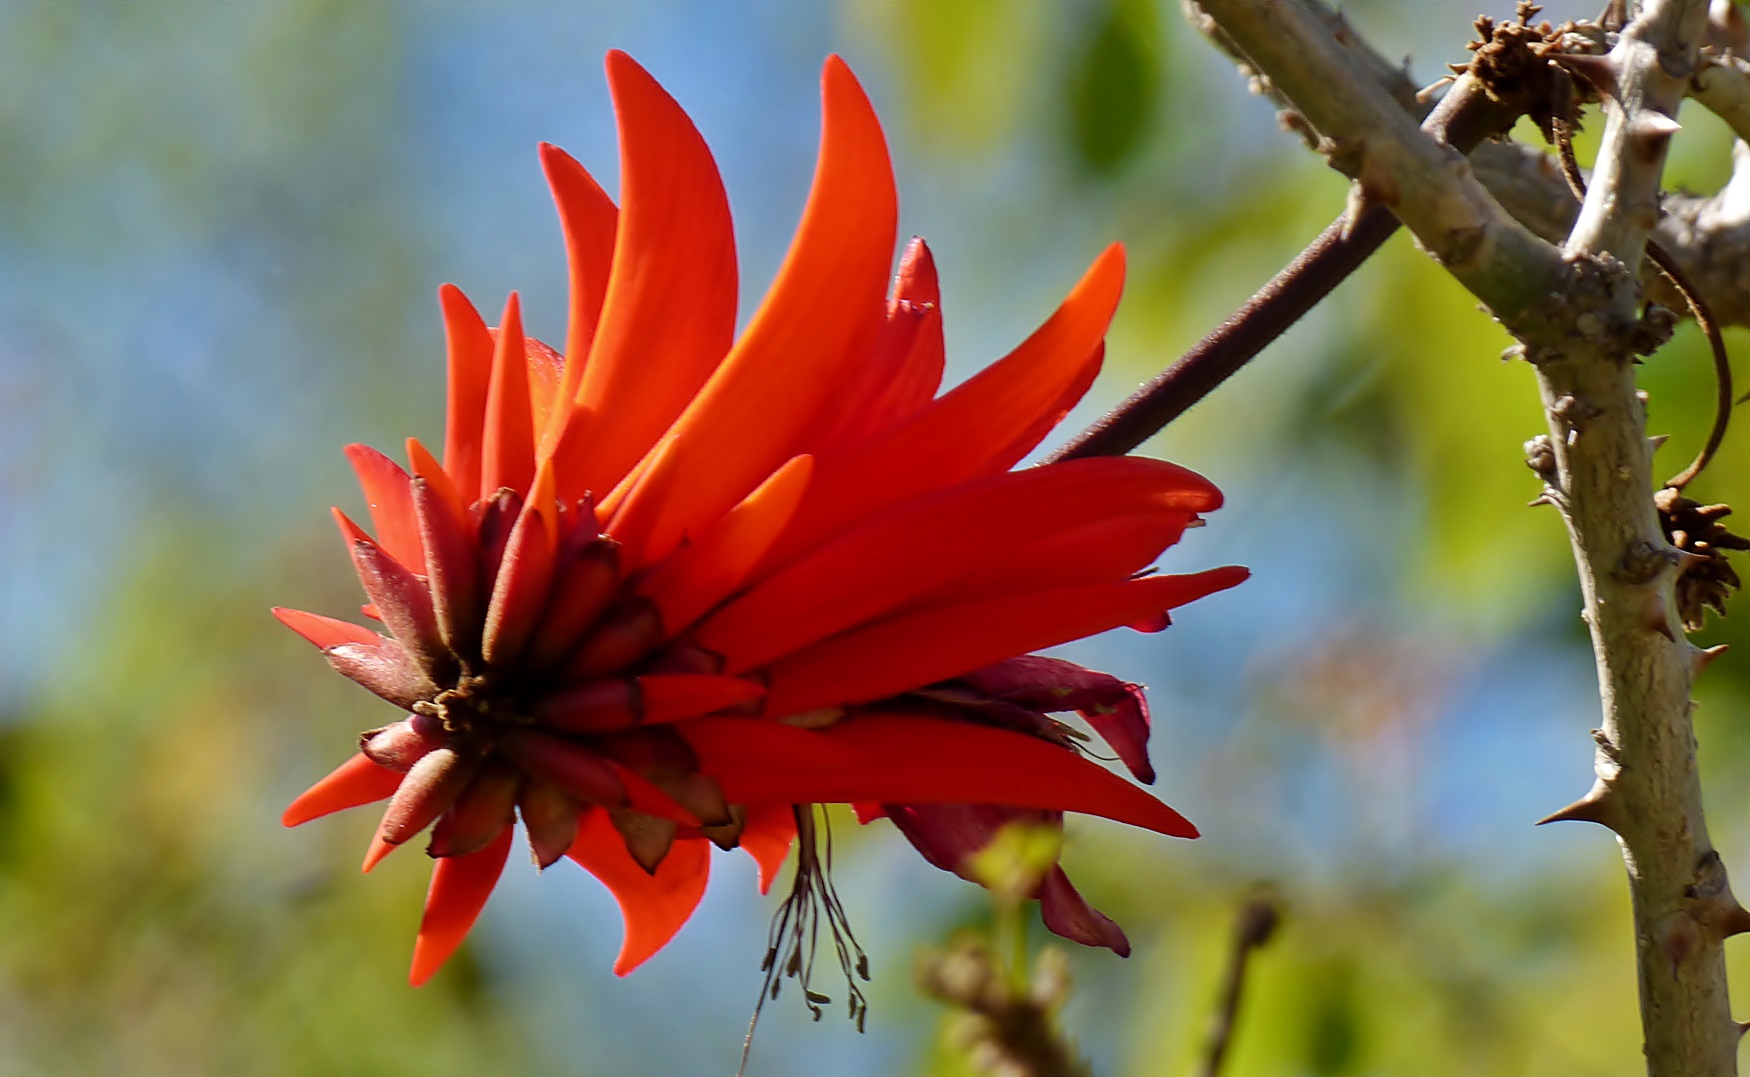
{"points": [[1112, 83], [965, 66], [1018, 858]]}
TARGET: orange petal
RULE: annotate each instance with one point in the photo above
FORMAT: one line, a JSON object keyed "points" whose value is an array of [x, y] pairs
{"points": [[391, 504], [766, 835], [508, 448], [904, 370], [653, 906], [669, 313], [1103, 550], [639, 501], [909, 759], [376, 851], [815, 324], [546, 369], [570, 452], [687, 584], [972, 430], [925, 546], [920, 648], [356, 781], [470, 374], [460, 886], [589, 220], [325, 632], [426, 466]]}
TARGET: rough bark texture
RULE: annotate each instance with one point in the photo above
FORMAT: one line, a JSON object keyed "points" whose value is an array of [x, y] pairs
{"points": [[1576, 312], [1648, 790]]}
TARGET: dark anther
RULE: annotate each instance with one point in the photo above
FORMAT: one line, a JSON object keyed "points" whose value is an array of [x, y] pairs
{"points": [[795, 932]]}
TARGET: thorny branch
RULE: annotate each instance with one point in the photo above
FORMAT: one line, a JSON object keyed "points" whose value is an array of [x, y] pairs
{"points": [[1464, 119], [1707, 237], [1577, 313]]}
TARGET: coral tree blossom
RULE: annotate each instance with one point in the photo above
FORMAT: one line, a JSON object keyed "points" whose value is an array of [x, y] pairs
{"points": [[663, 588]]}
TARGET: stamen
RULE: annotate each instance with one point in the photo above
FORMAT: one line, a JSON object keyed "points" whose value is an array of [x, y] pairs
{"points": [[794, 936]]}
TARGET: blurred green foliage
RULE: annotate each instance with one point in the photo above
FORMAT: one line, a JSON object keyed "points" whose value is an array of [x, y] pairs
{"points": [[158, 920]]}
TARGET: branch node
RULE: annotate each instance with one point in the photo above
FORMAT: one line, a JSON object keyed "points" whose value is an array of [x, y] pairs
{"points": [[1710, 901], [1645, 562], [1540, 457], [1654, 616]]}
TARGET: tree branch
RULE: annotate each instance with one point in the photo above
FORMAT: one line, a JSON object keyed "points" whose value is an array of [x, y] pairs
{"points": [[1575, 311], [1465, 118], [1368, 137], [1707, 237]]}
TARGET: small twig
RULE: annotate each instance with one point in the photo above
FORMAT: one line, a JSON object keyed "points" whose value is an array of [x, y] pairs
{"points": [[1722, 365], [1258, 920], [1561, 130], [1300, 286], [1464, 118]]}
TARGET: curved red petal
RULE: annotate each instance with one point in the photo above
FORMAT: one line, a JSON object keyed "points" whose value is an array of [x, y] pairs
{"points": [[927, 546], [910, 759], [653, 906], [633, 508], [972, 430], [1067, 913], [766, 835], [671, 697], [687, 584], [325, 632], [356, 781], [816, 322], [470, 373], [915, 649], [589, 220], [390, 498], [460, 886], [671, 293], [904, 369], [508, 445]]}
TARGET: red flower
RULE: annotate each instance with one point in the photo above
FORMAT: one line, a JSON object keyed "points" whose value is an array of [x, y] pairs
{"points": [[660, 591]]}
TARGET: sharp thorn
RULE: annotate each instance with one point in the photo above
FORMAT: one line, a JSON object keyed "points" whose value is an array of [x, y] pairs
{"points": [[1734, 921], [1702, 657], [1657, 441], [1743, 1027], [1655, 617], [1594, 807], [1651, 123]]}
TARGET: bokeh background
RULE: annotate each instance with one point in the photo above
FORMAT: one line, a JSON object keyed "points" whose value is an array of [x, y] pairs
{"points": [[221, 228]]}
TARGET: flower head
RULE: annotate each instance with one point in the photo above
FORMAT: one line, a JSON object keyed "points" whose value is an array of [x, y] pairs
{"points": [[663, 589]]}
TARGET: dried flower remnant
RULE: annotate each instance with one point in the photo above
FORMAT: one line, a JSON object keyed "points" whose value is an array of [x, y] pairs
{"points": [[1708, 579], [673, 587]]}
